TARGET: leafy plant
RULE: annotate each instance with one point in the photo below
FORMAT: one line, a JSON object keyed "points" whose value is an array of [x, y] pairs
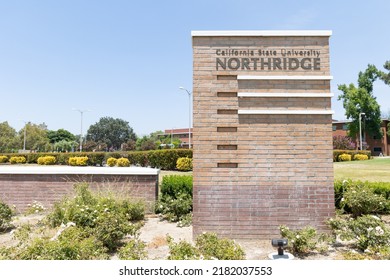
{"points": [[78, 161], [367, 231], [35, 208], [46, 160], [135, 249], [360, 157], [17, 160], [123, 162], [303, 241], [3, 159], [111, 161], [345, 157], [5, 215], [361, 200], [184, 164]]}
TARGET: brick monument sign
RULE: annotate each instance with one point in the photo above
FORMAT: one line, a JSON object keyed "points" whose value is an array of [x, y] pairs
{"points": [[262, 132]]}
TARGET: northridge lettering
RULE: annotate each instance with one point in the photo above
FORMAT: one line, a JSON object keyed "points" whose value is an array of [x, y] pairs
{"points": [[283, 59]]}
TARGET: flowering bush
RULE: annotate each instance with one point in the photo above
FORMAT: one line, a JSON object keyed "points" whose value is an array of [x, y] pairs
{"points": [[361, 200], [46, 160], [111, 161], [5, 215], [304, 240], [360, 157], [345, 157], [368, 232], [135, 249], [3, 159], [207, 246], [184, 164], [343, 143], [123, 162], [78, 161], [35, 208], [17, 160]]}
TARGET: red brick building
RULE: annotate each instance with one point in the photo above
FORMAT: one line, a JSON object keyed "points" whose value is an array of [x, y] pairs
{"points": [[181, 134], [375, 145]]}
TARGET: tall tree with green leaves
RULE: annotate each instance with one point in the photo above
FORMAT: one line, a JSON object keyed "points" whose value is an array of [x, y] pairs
{"points": [[360, 99], [8, 138], [36, 137], [60, 135], [385, 77], [112, 132]]}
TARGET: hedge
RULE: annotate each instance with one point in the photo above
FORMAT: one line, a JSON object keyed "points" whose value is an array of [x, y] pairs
{"points": [[162, 159], [340, 186], [352, 153]]}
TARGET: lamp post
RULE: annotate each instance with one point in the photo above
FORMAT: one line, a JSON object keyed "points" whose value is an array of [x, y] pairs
{"points": [[24, 135], [189, 116], [81, 129], [360, 130]]}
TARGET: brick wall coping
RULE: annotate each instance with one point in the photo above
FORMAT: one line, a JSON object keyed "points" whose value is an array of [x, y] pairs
{"points": [[283, 94], [26, 169], [292, 77], [326, 33], [285, 112]]}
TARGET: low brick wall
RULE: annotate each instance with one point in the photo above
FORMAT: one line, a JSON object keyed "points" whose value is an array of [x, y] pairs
{"points": [[22, 185]]}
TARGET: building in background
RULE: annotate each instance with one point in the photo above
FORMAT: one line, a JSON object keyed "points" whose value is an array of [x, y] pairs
{"points": [[179, 133], [377, 146]]}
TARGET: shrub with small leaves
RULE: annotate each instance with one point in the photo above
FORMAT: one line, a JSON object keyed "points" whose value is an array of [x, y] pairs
{"points": [[361, 200], [135, 249], [345, 157], [35, 208], [17, 160], [182, 250], [111, 161], [3, 159], [46, 160], [303, 241], [5, 215], [367, 231], [184, 164], [123, 162], [360, 157], [78, 161]]}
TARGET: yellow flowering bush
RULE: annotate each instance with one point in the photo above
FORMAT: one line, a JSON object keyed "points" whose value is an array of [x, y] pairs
{"points": [[123, 162], [17, 160], [345, 157], [46, 160], [360, 157], [3, 159], [184, 164], [111, 161], [78, 161]]}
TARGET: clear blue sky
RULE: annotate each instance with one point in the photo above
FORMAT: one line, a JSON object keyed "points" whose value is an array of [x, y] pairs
{"points": [[127, 59]]}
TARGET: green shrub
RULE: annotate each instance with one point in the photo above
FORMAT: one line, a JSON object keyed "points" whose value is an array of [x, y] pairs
{"points": [[35, 208], [123, 162], [207, 246], [213, 247], [78, 161], [111, 161], [303, 241], [361, 200], [17, 160], [345, 157], [360, 157], [367, 232], [184, 164], [175, 200], [105, 217], [135, 249], [173, 185], [3, 159], [182, 250], [46, 160], [5, 215]]}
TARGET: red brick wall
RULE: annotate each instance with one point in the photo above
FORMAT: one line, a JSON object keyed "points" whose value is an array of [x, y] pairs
{"points": [[23, 189], [255, 172]]}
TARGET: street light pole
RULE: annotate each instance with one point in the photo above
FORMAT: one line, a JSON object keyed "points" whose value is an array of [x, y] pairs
{"points": [[189, 116], [81, 129], [360, 130]]}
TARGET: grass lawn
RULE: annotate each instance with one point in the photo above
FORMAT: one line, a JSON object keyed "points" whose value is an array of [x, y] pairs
{"points": [[375, 170]]}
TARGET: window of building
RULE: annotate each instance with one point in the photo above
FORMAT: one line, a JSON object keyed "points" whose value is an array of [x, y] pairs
{"points": [[334, 127], [345, 126]]}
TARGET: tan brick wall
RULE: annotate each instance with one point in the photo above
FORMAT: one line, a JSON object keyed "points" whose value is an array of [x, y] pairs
{"points": [[278, 169], [23, 189]]}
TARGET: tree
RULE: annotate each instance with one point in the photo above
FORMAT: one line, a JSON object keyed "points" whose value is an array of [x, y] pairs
{"points": [[36, 137], [60, 135], [385, 77], [360, 99], [8, 138], [112, 132]]}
